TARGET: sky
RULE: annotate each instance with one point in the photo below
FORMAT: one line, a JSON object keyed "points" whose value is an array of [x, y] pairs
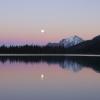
{"points": [[21, 21]]}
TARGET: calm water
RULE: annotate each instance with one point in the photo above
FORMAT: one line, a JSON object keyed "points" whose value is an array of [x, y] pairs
{"points": [[49, 78]]}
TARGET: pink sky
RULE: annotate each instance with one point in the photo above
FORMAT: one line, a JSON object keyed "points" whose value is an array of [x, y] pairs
{"points": [[21, 21]]}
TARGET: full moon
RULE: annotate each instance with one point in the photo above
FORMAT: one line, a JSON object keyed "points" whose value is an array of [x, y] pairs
{"points": [[42, 30], [42, 76]]}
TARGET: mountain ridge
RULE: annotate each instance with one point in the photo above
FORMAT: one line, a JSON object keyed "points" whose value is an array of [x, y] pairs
{"points": [[85, 47], [67, 42], [88, 46]]}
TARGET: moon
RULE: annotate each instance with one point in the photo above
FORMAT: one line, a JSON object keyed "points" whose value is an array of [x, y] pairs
{"points": [[42, 76], [42, 30]]}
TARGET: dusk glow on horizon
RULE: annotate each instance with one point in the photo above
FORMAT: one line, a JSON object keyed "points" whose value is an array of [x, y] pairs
{"points": [[43, 21]]}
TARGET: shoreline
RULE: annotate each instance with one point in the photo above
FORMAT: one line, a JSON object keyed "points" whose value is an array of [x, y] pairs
{"points": [[73, 55]]}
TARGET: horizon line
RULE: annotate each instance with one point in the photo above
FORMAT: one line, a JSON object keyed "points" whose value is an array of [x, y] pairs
{"points": [[70, 55]]}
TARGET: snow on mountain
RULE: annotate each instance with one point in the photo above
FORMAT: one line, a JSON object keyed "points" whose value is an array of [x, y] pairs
{"points": [[73, 40], [68, 42]]}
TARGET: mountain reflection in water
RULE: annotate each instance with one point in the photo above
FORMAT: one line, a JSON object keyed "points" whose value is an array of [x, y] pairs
{"points": [[71, 63]]}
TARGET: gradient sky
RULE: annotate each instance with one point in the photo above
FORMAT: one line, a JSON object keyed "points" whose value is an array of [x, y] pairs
{"points": [[21, 21]]}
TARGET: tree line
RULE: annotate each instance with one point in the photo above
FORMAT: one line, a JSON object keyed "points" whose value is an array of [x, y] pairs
{"points": [[31, 49]]}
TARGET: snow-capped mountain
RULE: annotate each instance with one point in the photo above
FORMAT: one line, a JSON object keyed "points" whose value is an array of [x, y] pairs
{"points": [[68, 42], [73, 40]]}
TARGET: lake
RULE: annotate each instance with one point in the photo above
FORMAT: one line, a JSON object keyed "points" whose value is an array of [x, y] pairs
{"points": [[49, 78]]}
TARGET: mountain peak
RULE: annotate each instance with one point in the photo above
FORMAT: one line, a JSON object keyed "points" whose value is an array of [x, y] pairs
{"points": [[71, 41], [74, 37], [68, 42]]}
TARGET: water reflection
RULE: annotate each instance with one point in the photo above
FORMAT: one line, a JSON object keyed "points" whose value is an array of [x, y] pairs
{"points": [[49, 78], [71, 63]]}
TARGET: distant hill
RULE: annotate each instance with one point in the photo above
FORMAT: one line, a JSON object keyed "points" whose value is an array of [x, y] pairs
{"points": [[88, 47]]}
